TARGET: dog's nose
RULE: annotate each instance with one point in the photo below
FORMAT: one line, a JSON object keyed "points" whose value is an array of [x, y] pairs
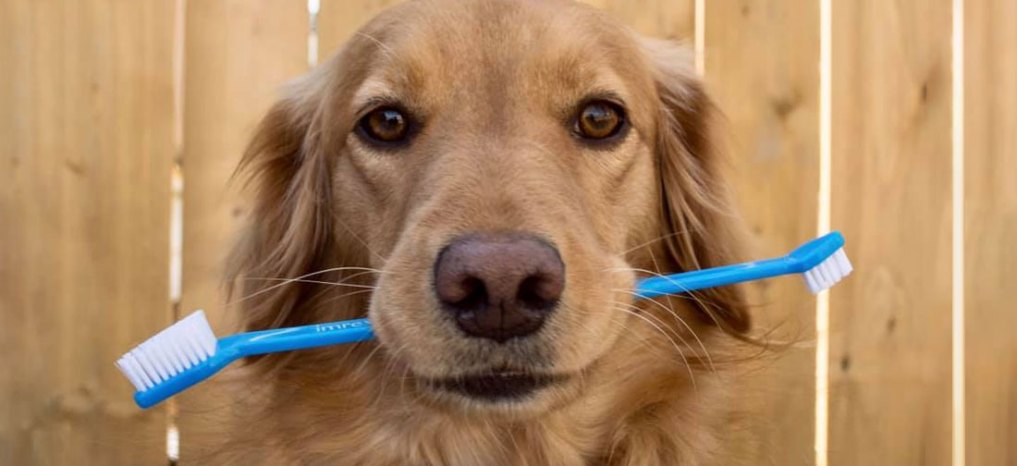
{"points": [[499, 285]]}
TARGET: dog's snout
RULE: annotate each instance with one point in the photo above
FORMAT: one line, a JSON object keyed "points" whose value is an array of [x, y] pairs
{"points": [[499, 285]]}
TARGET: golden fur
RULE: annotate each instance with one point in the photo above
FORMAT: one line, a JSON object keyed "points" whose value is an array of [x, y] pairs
{"points": [[494, 82]]}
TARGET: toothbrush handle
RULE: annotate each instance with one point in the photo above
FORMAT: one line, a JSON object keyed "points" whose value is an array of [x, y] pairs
{"points": [[295, 338], [717, 276], [350, 331], [801, 259], [237, 346]]}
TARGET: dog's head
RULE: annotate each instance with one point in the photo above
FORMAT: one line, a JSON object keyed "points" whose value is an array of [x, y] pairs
{"points": [[507, 170]]}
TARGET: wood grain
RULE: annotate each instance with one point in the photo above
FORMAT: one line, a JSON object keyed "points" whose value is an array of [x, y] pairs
{"points": [[990, 210], [86, 150], [761, 68], [86, 130], [890, 323], [665, 19], [239, 53]]}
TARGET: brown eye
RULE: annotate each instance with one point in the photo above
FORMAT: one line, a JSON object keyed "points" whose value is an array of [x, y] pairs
{"points": [[386, 125], [599, 120]]}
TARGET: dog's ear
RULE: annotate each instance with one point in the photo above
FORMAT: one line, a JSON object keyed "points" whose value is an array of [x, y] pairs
{"points": [[288, 233], [700, 230]]}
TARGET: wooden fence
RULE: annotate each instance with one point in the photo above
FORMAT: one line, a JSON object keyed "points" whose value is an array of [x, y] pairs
{"points": [[840, 113]]}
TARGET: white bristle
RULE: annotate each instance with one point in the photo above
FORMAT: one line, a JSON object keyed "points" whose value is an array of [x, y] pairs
{"points": [[813, 282], [170, 352], [130, 369], [146, 362], [842, 261], [829, 272]]}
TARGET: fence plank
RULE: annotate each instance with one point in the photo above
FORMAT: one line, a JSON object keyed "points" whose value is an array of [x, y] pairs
{"points": [[890, 323], [86, 130], [339, 19], [239, 52], [665, 19], [761, 67], [991, 230]]}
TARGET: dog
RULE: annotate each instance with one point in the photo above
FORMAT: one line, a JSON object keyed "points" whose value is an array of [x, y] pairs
{"points": [[486, 180]]}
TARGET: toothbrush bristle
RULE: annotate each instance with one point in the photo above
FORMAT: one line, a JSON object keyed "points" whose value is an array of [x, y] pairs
{"points": [[170, 352], [828, 272]]}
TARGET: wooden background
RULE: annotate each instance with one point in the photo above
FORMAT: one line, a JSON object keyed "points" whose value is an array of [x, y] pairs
{"points": [[90, 135]]}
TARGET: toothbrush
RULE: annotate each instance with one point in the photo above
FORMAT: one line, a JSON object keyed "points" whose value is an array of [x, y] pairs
{"points": [[822, 262], [188, 352]]}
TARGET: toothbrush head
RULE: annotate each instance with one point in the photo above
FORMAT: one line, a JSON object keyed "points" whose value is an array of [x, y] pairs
{"points": [[823, 262], [829, 272], [172, 351]]}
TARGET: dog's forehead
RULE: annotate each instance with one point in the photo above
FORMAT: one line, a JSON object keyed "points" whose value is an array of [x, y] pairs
{"points": [[496, 46]]}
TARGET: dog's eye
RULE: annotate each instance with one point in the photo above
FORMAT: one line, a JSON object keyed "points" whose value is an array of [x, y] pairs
{"points": [[599, 120], [386, 125]]}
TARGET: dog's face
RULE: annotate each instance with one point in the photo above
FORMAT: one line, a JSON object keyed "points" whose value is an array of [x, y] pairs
{"points": [[502, 181], [503, 164]]}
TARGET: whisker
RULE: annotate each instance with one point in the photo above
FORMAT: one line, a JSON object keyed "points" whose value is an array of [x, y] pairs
{"points": [[634, 269], [709, 308], [345, 295], [357, 237], [349, 350], [643, 340], [384, 376], [367, 358], [386, 372], [344, 280], [681, 354], [287, 281], [402, 380], [670, 309], [317, 282], [662, 324], [688, 294], [673, 313], [678, 318], [657, 239]]}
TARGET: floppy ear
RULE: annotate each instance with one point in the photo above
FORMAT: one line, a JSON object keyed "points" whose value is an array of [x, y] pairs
{"points": [[699, 228], [289, 232]]}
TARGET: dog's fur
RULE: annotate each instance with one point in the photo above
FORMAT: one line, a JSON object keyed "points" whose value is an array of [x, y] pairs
{"points": [[494, 84]]}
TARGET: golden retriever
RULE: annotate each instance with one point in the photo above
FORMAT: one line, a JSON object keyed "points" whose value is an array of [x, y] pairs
{"points": [[486, 180]]}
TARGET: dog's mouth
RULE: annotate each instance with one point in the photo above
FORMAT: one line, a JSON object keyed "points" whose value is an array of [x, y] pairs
{"points": [[497, 385]]}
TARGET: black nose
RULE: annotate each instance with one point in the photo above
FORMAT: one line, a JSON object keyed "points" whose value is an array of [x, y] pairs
{"points": [[499, 285]]}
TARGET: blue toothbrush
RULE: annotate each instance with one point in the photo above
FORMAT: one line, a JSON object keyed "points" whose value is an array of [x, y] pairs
{"points": [[188, 352]]}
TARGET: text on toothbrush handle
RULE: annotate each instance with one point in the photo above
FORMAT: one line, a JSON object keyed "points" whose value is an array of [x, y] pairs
{"points": [[331, 327]]}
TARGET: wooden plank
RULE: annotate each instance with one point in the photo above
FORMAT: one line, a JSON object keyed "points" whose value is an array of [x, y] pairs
{"points": [[890, 384], [770, 99], [86, 153], [665, 19], [339, 19], [990, 211], [761, 68], [239, 53]]}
